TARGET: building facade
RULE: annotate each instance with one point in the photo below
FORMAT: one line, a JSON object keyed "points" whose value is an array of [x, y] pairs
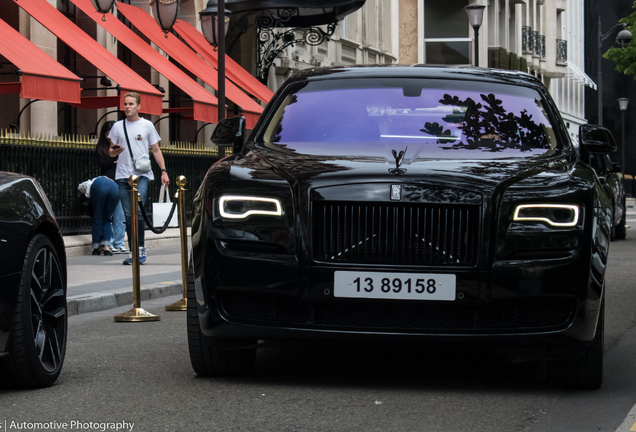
{"points": [[541, 37], [615, 84], [367, 36]]}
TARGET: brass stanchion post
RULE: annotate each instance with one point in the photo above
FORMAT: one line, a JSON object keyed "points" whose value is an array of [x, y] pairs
{"points": [[182, 304], [136, 313]]}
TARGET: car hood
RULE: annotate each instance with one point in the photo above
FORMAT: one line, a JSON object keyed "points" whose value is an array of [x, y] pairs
{"points": [[311, 171]]}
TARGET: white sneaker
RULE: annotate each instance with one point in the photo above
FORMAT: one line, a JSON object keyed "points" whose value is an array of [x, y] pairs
{"points": [[142, 257]]}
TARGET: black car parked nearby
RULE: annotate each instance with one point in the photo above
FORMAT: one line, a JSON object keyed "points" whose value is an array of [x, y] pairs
{"points": [[33, 314], [611, 178], [414, 204]]}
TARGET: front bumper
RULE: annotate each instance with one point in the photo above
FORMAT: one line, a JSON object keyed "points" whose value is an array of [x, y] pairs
{"points": [[254, 298]]}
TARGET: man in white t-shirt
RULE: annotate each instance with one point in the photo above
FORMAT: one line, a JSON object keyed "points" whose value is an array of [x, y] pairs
{"points": [[141, 136]]}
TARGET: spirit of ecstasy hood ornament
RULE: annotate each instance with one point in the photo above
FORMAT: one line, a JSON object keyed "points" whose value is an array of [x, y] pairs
{"points": [[399, 158]]}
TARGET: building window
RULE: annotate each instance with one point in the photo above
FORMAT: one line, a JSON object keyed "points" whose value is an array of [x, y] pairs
{"points": [[446, 37], [348, 55]]}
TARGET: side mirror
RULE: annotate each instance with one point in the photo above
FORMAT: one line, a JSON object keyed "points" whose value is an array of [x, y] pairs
{"points": [[595, 139], [230, 132], [616, 168]]}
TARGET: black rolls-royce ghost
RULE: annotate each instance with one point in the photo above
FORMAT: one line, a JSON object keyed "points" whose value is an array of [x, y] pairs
{"points": [[422, 204], [33, 313]]}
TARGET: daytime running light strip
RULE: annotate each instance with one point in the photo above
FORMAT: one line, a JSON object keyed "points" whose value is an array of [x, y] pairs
{"points": [[574, 208], [222, 200]]}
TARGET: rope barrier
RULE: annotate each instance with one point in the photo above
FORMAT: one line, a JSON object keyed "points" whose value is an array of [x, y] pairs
{"points": [[165, 225]]}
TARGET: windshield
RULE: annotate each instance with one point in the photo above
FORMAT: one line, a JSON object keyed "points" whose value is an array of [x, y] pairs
{"points": [[433, 118]]}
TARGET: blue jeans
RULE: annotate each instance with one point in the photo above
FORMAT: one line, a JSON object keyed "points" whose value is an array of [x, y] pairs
{"points": [[119, 225], [104, 199], [124, 196]]}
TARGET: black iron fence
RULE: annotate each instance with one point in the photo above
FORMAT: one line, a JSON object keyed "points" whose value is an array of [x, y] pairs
{"points": [[62, 163]]}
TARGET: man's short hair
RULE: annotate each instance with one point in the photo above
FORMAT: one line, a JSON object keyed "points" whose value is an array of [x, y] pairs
{"points": [[133, 95]]}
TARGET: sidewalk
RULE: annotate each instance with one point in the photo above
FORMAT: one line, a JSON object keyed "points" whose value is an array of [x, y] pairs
{"points": [[98, 283], [77, 245], [630, 210]]}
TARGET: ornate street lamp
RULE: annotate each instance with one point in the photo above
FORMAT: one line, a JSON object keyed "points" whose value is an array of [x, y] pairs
{"points": [[475, 18], [103, 6], [166, 13], [210, 18], [210, 23], [622, 103], [624, 37]]}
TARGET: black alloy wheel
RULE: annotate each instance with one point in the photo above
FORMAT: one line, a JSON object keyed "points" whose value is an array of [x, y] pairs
{"points": [[39, 330], [215, 357]]}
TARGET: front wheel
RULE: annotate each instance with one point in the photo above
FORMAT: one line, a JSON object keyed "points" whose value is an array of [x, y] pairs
{"points": [[215, 357], [585, 372], [39, 328]]}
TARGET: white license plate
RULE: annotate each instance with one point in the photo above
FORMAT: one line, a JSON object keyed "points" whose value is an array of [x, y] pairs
{"points": [[398, 286]]}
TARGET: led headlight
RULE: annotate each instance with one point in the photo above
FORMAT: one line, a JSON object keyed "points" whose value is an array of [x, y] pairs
{"points": [[559, 215], [240, 207]]}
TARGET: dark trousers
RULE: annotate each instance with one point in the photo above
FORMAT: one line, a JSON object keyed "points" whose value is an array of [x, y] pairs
{"points": [[124, 195]]}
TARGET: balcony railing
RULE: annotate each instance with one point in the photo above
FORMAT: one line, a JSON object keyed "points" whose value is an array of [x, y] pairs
{"points": [[536, 52], [527, 40], [561, 52], [542, 47]]}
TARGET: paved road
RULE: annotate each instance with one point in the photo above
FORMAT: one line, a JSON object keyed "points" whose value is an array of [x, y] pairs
{"points": [[140, 373]]}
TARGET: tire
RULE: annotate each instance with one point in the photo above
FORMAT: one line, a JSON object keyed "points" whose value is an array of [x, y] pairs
{"points": [[37, 344], [585, 372], [215, 357], [621, 229]]}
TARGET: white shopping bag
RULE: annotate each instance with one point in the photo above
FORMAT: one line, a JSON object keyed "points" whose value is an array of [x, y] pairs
{"points": [[161, 210]]}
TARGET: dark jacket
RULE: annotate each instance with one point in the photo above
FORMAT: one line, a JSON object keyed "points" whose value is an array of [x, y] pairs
{"points": [[107, 165]]}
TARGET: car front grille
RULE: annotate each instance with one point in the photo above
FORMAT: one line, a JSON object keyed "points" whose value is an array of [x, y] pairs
{"points": [[396, 233], [518, 315]]}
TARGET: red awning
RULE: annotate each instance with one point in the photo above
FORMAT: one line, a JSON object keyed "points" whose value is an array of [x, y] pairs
{"points": [[97, 102], [10, 87], [233, 70], [204, 103], [42, 77], [190, 60], [87, 47]]}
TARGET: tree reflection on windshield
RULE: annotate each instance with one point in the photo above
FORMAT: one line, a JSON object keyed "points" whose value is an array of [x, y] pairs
{"points": [[375, 116], [489, 126]]}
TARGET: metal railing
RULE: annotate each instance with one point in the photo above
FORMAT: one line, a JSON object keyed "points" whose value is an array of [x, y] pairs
{"points": [[536, 52], [61, 163], [527, 39], [561, 52], [542, 47]]}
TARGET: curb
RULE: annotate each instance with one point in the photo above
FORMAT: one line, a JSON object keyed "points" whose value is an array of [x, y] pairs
{"points": [[100, 301]]}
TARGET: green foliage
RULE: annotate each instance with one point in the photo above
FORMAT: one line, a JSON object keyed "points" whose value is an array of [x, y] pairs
{"points": [[625, 58]]}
